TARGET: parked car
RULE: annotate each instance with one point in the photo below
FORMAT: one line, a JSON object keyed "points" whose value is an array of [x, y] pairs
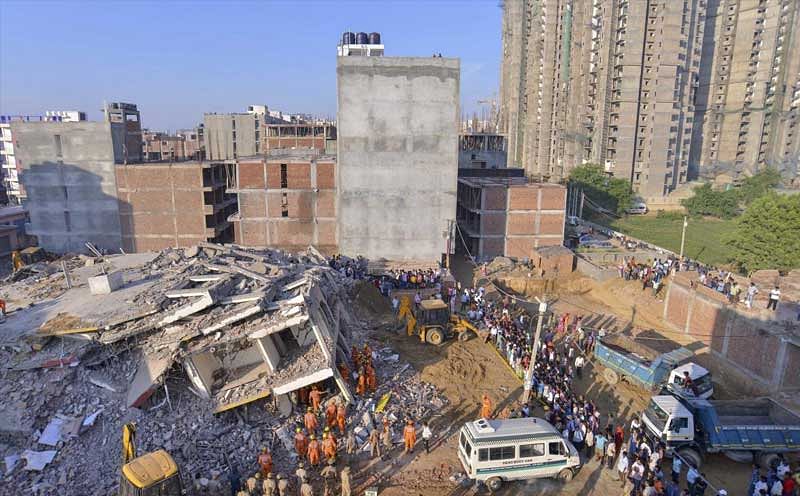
{"points": [[637, 208]]}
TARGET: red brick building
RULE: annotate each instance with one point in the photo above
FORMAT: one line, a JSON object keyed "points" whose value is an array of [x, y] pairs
{"points": [[317, 136], [286, 200], [174, 205], [508, 216]]}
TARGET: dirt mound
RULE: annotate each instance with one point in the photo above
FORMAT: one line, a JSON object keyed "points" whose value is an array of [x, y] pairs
{"points": [[369, 298]]}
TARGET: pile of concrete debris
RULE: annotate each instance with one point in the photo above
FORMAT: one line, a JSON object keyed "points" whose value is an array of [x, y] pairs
{"points": [[204, 348]]}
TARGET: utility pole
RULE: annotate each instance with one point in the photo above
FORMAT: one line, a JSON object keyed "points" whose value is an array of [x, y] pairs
{"points": [[683, 237], [526, 395], [580, 207]]}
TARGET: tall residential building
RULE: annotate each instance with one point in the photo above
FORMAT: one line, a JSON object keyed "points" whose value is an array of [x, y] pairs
{"points": [[749, 88], [601, 81]]}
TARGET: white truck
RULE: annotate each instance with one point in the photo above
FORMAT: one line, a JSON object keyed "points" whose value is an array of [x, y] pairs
{"points": [[747, 431]]}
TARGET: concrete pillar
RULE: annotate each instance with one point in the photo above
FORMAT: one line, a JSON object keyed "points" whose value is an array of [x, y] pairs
{"points": [[780, 367], [348, 396], [269, 352], [691, 296], [730, 317]]}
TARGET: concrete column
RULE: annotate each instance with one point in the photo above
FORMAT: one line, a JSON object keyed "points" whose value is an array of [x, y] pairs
{"points": [[691, 296], [730, 317], [348, 396], [269, 352], [666, 300], [780, 367]]}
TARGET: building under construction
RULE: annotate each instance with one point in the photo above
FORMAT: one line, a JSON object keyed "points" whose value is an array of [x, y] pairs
{"points": [[626, 92]]}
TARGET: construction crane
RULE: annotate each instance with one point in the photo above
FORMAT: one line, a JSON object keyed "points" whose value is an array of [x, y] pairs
{"points": [[494, 115]]}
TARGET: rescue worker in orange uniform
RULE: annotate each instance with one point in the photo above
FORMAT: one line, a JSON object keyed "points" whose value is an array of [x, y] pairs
{"points": [[265, 461], [330, 414], [341, 419], [361, 387], [300, 443], [316, 397], [302, 395], [486, 407], [310, 420], [409, 436], [313, 451], [367, 354], [345, 372], [329, 447], [372, 381]]}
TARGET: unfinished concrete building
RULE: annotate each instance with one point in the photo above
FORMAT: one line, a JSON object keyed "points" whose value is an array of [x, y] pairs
{"points": [[397, 156], [230, 136], [165, 147], [508, 216], [618, 93], [317, 135], [174, 205], [286, 200], [67, 169], [749, 88], [481, 151], [126, 128]]}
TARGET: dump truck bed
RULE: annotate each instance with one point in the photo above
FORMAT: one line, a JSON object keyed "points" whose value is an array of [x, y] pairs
{"points": [[636, 362], [760, 424]]}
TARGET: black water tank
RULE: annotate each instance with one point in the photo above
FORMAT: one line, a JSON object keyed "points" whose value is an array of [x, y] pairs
{"points": [[362, 39], [374, 38], [348, 38]]}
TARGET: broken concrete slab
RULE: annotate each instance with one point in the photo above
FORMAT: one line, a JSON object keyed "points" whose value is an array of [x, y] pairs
{"points": [[38, 460], [148, 376], [105, 283]]}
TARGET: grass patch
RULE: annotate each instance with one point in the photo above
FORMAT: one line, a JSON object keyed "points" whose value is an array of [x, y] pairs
{"points": [[703, 235]]}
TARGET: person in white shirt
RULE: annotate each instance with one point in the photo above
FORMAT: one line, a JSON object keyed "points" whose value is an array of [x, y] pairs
{"points": [[635, 424], [774, 296], [427, 435], [751, 294], [622, 466], [579, 363], [783, 469], [777, 488], [395, 304]]}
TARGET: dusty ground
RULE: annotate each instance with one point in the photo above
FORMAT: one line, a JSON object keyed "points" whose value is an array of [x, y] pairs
{"points": [[465, 371]]}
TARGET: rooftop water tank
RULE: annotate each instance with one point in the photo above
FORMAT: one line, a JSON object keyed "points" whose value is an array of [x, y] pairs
{"points": [[362, 39], [348, 38], [374, 38]]}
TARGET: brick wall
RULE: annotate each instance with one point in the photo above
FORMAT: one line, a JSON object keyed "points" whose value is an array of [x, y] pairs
{"points": [[535, 218], [291, 217], [161, 206], [751, 345]]}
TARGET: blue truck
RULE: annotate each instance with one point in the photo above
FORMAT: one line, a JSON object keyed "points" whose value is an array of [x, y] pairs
{"points": [[624, 359], [747, 431]]}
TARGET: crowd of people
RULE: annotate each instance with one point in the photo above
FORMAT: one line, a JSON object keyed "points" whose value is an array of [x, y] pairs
{"points": [[651, 274], [639, 462], [725, 283]]}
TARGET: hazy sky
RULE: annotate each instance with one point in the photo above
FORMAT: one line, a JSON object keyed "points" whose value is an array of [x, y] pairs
{"points": [[177, 59]]}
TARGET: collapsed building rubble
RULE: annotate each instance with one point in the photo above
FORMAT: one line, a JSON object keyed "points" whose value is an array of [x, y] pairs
{"points": [[204, 348]]}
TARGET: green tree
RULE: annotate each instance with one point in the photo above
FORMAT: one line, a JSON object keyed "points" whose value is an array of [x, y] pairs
{"points": [[607, 191], [756, 186], [706, 201], [767, 235]]}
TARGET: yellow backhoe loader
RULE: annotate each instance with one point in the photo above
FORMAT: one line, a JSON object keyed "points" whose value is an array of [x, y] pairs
{"points": [[432, 321], [152, 474]]}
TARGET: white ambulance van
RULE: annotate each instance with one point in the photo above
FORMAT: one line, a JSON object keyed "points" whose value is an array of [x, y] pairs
{"points": [[495, 451]]}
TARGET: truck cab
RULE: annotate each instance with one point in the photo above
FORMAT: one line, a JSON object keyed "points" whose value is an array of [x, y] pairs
{"points": [[668, 420], [703, 387]]}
